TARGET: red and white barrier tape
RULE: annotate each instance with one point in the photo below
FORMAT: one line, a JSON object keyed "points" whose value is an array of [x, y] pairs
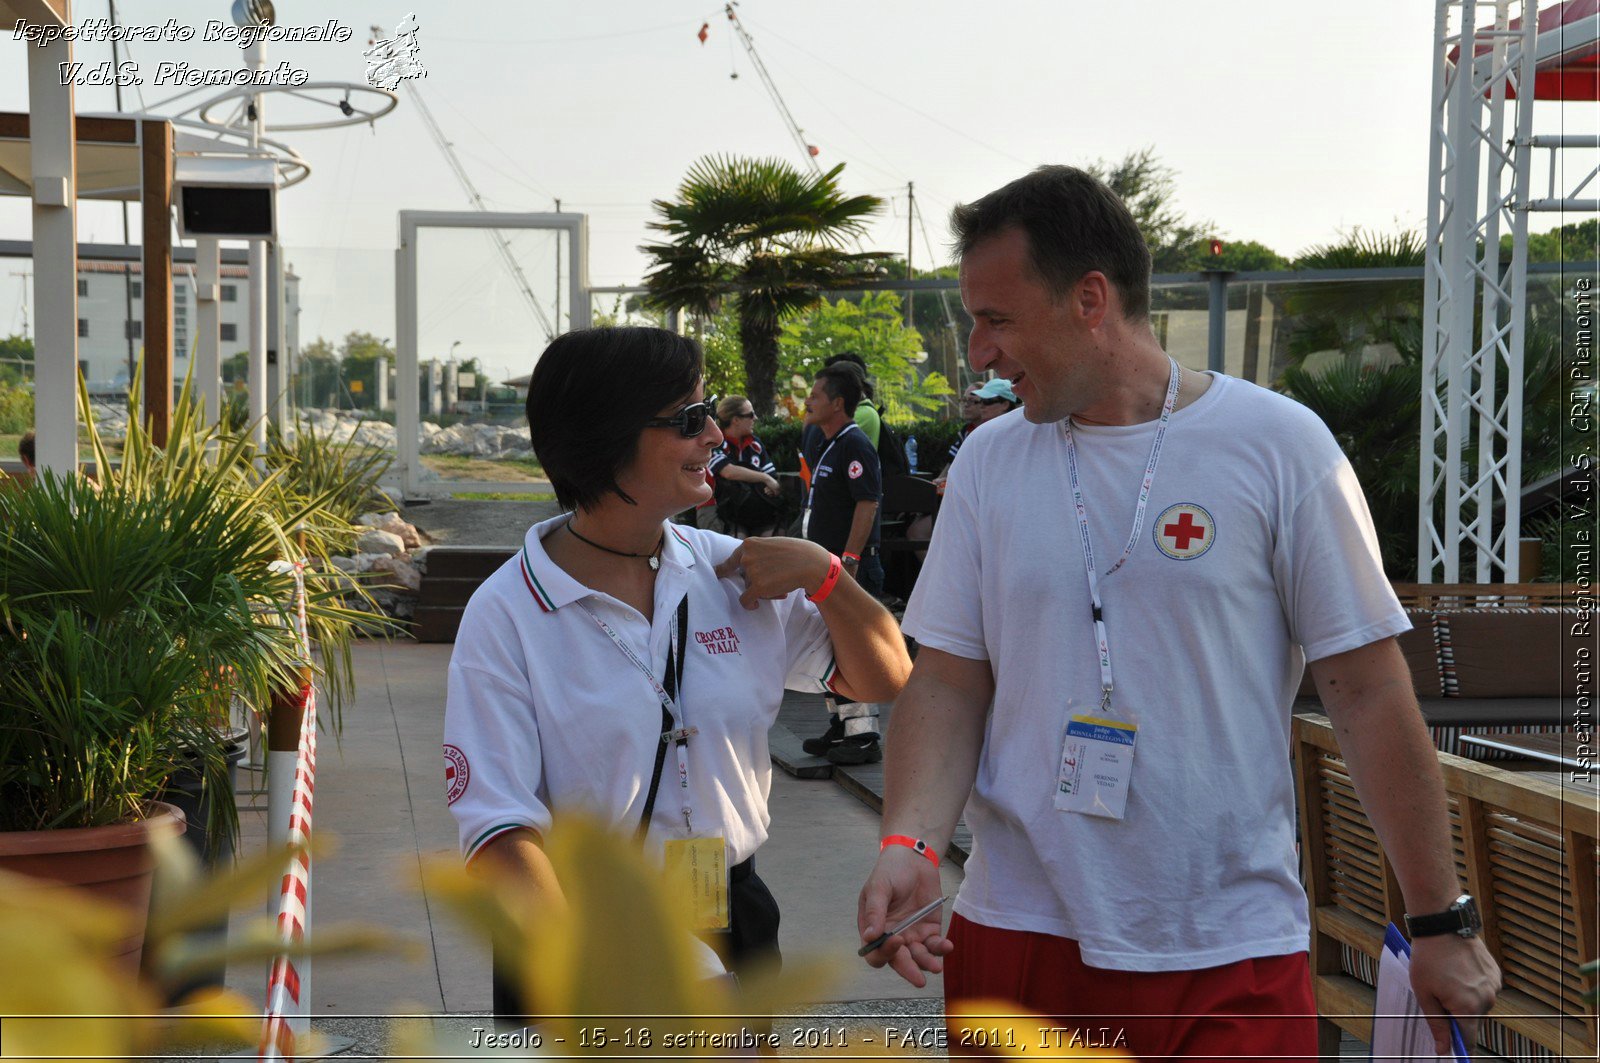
{"points": [[284, 982]]}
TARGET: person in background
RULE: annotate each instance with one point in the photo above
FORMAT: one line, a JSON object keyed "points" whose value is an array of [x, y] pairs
{"points": [[842, 515], [27, 453], [984, 402], [865, 415], [744, 476]]}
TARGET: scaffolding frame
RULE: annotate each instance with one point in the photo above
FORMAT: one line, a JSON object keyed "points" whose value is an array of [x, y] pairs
{"points": [[1474, 316]]}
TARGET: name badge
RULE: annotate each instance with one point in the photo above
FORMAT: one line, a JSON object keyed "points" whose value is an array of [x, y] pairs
{"points": [[1096, 764], [697, 873]]}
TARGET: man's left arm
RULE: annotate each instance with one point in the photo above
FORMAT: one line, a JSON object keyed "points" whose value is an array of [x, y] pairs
{"points": [[1369, 699], [860, 532]]}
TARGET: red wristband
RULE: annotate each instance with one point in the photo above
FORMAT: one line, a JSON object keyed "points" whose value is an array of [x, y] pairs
{"points": [[848, 556], [916, 845], [835, 567]]}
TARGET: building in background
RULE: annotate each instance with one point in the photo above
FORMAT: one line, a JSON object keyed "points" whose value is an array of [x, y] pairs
{"points": [[104, 325]]}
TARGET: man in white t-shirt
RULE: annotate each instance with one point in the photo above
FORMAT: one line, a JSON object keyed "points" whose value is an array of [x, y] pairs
{"points": [[1142, 560]]}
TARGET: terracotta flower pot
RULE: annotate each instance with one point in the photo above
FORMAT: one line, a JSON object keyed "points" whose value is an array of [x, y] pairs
{"points": [[112, 864]]}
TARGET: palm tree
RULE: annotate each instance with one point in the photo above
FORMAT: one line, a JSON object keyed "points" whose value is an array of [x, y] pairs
{"points": [[765, 234]]}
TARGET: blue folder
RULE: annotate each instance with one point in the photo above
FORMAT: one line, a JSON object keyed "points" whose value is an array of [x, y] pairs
{"points": [[1396, 943]]}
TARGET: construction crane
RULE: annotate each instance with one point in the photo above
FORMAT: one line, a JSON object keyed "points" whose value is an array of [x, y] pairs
{"points": [[495, 236], [808, 150]]}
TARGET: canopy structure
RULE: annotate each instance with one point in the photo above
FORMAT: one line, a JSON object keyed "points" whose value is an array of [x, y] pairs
{"points": [[1571, 69], [1567, 59], [117, 158], [1474, 321]]}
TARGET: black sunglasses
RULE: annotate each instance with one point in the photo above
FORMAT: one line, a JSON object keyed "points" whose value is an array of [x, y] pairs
{"points": [[689, 421]]}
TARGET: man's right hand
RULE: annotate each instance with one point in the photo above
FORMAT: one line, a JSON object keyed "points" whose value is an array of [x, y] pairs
{"points": [[901, 882]]}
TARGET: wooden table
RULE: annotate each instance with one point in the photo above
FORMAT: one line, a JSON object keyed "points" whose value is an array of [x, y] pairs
{"points": [[1559, 749]]}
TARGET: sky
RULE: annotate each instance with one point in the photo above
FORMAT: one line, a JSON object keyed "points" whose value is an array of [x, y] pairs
{"points": [[1286, 123]]}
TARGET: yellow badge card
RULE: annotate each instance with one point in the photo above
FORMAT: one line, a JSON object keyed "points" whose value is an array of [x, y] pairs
{"points": [[697, 872]]}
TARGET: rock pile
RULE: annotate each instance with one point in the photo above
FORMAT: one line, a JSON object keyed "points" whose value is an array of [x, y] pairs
{"points": [[473, 440], [393, 549]]}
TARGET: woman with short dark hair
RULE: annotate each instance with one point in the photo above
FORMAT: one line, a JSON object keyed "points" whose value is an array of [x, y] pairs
{"points": [[616, 641]]}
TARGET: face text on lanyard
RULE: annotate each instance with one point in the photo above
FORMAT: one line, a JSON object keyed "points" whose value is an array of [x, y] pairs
{"points": [[1097, 752]]}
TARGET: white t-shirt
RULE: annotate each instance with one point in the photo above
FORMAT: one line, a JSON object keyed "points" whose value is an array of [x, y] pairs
{"points": [[1269, 561], [546, 715]]}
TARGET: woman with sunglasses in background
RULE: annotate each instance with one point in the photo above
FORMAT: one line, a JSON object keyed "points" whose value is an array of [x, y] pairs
{"points": [[746, 489], [616, 641]]}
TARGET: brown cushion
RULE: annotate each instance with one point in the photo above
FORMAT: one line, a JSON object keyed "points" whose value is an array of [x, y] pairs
{"points": [[1420, 653], [1511, 653]]}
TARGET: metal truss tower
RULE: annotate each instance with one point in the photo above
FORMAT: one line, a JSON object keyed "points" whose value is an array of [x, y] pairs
{"points": [[1474, 318]]}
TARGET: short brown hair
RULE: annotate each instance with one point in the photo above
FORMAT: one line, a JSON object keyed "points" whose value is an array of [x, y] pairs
{"points": [[1075, 225]]}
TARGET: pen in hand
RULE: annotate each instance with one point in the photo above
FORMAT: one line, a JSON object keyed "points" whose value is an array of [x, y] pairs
{"points": [[910, 921]]}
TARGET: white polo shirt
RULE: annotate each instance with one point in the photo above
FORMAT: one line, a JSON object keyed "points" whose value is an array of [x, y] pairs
{"points": [[1257, 554], [546, 715]]}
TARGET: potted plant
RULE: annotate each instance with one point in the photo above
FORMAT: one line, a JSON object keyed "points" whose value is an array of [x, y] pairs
{"points": [[131, 609]]}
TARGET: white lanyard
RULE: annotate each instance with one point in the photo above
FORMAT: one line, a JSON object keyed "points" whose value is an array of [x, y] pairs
{"points": [[1102, 642], [679, 733], [823, 458]]}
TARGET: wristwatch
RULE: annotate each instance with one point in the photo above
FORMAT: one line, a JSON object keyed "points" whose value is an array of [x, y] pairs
{"points": [[1460, 918]]}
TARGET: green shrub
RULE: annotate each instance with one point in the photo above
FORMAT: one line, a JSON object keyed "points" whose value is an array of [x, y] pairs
{"points": [[16, 409], [343, 476], [781, 437]]}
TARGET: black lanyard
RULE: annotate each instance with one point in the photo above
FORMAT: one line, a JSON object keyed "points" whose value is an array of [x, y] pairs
{"points": [[673, 681]]}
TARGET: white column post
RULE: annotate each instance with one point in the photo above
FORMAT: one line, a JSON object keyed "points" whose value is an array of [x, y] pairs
{"points": [[255, 59], [406, 413], [278, 368], [208, 326], [51, 132], [381, 395], [580, 312]]}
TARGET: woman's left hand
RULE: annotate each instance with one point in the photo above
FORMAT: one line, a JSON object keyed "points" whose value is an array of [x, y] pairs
{"points": [[772, 568]]}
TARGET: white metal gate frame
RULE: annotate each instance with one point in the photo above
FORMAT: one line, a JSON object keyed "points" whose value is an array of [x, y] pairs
{"points": [[408, 417]]}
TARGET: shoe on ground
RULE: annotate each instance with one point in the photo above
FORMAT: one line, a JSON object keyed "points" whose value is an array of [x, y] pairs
{"points": [[857, 749], [819, 746]]}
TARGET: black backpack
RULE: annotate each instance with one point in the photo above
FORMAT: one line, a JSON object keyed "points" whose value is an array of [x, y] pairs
{"points": [[891, 451]]}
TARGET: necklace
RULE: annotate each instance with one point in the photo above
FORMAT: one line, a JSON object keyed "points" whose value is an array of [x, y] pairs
{"points": [[653, 556]]}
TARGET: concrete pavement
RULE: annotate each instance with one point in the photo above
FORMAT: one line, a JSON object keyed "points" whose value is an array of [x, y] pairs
{"points": [[380, 795]]}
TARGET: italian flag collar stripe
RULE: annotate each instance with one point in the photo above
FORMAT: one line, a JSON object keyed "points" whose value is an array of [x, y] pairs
{"points": [[535, 588], [682, 539]]}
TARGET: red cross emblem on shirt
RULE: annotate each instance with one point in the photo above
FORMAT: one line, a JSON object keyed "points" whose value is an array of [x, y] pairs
{"points": [[457, 773], [1184, 531]]}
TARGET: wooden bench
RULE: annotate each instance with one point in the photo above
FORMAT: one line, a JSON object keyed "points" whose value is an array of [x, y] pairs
{"points": [[1486, 657], [1526, 849]]}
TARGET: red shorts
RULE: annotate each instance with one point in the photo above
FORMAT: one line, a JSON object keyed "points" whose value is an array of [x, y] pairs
{"points": [[1259, 1009]]}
